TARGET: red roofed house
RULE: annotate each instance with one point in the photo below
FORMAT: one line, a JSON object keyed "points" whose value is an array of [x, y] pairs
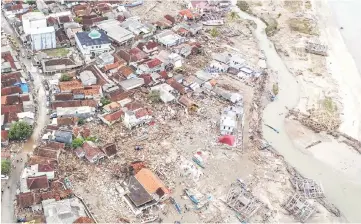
{"points": [[112, 118], [137, 117], [37, 182], [25, 200], [91, 152], [150, 47], [154, 65], [10, 90]]}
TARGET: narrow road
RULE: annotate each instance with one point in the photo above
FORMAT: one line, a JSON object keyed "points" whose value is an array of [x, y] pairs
{"points": [[342, 191], [8, 197]]}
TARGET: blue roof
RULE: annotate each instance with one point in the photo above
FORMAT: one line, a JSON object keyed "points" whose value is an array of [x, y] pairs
{"points": [[23, 86], [93, 38]]}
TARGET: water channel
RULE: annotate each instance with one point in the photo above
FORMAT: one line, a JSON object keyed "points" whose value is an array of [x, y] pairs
{"points": [[339, 189]]}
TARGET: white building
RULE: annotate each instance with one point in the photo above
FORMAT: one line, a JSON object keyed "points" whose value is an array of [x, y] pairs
{"points": [[38, 170], [92, 43], [43, 38], [82, 112], [32, 21], [136, 118]]}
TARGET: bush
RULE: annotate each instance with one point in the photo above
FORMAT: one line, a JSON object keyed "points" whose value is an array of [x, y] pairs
{"points": [[275, 89], [154, 96], [81, 121], [5, 167], [78, 19], [104, 101], [272, 26], [20, 131], [91, 139], [243, 5], [214, 32], [78, 142], [65, 77]]}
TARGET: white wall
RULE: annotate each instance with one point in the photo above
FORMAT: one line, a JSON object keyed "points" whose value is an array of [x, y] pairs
{"points": [[43, 41], [31, 24]]}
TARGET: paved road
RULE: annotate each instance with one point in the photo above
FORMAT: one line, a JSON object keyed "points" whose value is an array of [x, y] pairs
{"points": [[8, 197]]}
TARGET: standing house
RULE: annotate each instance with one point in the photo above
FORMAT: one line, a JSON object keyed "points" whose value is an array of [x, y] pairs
{"points": [[87, 78], [138, 117], [92, 43], [38, 170], [154, 65], [34, 20], [63, 137], [43, 38]]}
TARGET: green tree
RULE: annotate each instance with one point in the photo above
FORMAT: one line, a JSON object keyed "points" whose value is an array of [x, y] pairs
{"points": [[20, 131], [5, 167], [78, 19], [154, 96], [65, 77], [81, 121], [214, 32], [275, 89], [78, 142], [104, 101]]}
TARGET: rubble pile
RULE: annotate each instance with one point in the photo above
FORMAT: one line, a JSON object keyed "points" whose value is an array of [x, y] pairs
{"points": [[317, 120]]}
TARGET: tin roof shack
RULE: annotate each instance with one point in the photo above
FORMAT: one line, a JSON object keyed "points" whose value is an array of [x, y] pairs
{"points": [[115, 32], [63, 136], [110, 150], [105, 59], [137, 28], [168, 38], [130, 84], [236, 61], [80, 112], [38, 170], [145, 189], [53, 66], [136, 117], [91, 152], [87, 78], [232, 97], [64, 211]]}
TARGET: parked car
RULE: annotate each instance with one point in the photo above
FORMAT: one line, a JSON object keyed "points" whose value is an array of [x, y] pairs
{"points": [[53, 115], [4, 177]]}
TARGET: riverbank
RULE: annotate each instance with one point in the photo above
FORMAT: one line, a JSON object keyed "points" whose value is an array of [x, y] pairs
{"points": [[310, 83]]}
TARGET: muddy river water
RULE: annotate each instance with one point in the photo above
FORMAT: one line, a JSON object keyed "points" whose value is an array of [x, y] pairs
{"points": [[341, 190]]}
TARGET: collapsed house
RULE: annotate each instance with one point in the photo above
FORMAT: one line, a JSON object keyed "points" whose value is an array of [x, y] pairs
{"points": [[300, 207]]}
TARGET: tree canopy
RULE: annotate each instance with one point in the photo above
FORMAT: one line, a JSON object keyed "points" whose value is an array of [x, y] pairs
{"points": [[20, 130], [5, 167], [78, 142]]}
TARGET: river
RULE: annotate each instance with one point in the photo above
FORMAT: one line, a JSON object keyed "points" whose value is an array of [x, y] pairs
{"points": [[343, 192], [7, 206]]}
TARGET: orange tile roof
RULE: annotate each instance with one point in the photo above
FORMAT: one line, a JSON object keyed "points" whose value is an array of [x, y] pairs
{"points": [[149, 181], [94, 90], [70, 85], [111, 66]]}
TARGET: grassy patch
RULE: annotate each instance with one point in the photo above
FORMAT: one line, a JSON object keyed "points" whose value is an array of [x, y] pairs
{"points": [[329, 105], [302, 25], [58, 52]]}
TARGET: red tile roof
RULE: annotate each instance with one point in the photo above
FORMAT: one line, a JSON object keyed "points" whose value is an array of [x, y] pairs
{"points": [[114, 116], [137, 54], [164, 74], [17, 108], [88, 91], [55, 145], [147, 79], [73, 103], [51, 21], [63, 96], [64, 19], [83, 220], [118, 95], [10, 90], [47, 152], [133, 106], [141, 113], [111, 66], [4, 135], [66, 121], [25, 200], [9, 79], [153, 63], [91, 151], [126, 71], [25, 97], [37, 182], [70, 85], [10, 117], [45, 168]]}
